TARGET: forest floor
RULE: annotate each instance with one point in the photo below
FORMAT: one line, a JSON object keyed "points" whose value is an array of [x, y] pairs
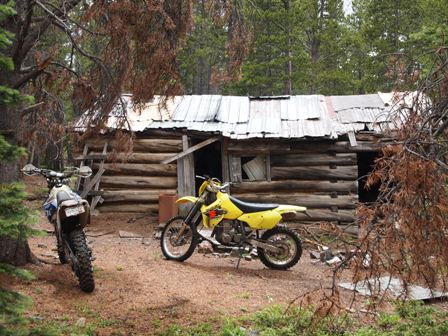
{"points": [[138, 292]]}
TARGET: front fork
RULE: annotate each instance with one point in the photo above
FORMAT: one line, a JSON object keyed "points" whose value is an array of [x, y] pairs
{"points": [[189, 220]]}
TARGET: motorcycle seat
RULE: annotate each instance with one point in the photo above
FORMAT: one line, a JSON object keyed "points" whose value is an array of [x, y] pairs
{"points": [[63, 196], [247, 207]]}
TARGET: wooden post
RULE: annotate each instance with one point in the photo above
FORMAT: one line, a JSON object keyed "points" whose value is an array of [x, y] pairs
{"points": [[99, 199], [225, 160], [235, 168], [84, 153], [185, 174]]}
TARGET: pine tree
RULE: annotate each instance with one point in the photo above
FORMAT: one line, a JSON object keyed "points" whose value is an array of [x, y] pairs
{"points": [[268, 69], [297, 48], [202, 59], [386, 27], [14, 216]]}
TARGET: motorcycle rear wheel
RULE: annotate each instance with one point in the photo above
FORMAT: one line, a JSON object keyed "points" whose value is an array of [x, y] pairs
{"points": [[61, 252], [175, 247], [83, 267], [289, 243]]}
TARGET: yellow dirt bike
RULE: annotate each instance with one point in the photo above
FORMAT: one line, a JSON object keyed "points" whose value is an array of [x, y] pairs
{"points": [[236, 225]]}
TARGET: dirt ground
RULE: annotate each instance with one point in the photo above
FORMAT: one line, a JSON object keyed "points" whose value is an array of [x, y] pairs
{"points": [[141, 291], [138, 287]]}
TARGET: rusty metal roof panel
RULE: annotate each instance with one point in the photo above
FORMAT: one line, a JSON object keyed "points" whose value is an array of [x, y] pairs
{"points": [[270, 117]]}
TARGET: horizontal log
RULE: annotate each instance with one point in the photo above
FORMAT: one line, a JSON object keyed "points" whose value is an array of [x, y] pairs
{"points": [[137, 208], [323, 215], [131, 182], [287, 160], [140, 169], [93, 156], [137, 195], [306, 200], [257, 147], [142, 157], [253, 147], [294, 185], [336, 147], [142, 145], [160, 133], [345, 173]]}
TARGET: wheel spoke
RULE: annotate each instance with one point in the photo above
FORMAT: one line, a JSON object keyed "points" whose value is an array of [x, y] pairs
{"points": [[177, 239], [289, 248]]}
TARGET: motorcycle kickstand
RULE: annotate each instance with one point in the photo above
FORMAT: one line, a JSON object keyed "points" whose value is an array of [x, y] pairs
{"points": [[239, 258], [241, 250]]}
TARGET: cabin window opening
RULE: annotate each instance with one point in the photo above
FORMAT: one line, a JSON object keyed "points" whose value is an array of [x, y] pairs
{"points": [[366, 162]]}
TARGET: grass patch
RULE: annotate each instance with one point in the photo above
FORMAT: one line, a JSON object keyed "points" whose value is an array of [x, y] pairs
{"points": [[411, 318]]}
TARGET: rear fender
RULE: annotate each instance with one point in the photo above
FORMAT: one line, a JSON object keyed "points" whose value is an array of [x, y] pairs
{"points": [[84, 218], [284, 209], [187, 199]]}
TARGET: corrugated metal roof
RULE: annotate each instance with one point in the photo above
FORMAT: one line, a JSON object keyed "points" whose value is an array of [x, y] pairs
{"points": [[233, 110], [270, 117]]}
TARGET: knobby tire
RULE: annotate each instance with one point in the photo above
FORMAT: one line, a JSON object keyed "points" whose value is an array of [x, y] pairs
{"points": [[281, 230], [191, 248], [84, 270]]}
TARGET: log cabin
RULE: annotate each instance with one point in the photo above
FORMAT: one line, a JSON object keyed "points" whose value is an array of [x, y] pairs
{"points": [[313, 151]]}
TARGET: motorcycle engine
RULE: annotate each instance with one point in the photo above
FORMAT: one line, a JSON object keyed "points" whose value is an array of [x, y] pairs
{"points": [[228, 233]]}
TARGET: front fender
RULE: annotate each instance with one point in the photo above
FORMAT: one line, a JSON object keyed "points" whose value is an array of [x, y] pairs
{"points": [[187, 199], [283, 209]]}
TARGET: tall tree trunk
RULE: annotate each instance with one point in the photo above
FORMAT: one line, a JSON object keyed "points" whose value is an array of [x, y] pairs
{"points": [[12, 251], [15, 251], [288, 65]]}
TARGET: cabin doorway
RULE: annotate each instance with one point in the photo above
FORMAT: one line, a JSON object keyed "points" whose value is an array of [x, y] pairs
{"points": [[207, 160], [366, 161]]}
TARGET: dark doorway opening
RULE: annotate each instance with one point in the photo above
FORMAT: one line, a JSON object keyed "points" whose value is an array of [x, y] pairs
{"points": [[207, 161], [366, 162]]}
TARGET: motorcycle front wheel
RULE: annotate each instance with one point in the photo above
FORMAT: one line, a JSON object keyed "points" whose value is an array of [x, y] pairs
{"points": [[178, 240], [83, 263], [289, 245]]}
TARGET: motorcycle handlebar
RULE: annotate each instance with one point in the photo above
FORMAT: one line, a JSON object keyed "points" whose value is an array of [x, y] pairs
{"points": [[48, 173]]}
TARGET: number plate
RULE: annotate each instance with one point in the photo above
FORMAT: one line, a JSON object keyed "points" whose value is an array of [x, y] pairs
{"points": [[74, 211]]}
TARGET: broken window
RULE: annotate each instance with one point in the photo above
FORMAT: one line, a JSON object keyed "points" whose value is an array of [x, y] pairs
{"points": [[250, 168]]}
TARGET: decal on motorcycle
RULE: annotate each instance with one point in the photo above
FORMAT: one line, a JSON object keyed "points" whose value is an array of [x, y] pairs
{"points": [[213, 213], [49, 209]]}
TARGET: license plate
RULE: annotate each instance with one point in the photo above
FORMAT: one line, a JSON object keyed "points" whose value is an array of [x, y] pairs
{"points": [[74, 211]]}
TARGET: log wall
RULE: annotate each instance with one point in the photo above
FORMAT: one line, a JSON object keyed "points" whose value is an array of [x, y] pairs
{"points": [[133, 182], [320, 175]]}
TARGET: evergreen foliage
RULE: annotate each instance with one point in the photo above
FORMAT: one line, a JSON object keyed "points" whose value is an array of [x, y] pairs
{"points": [[14, 215], [311, 46]]}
